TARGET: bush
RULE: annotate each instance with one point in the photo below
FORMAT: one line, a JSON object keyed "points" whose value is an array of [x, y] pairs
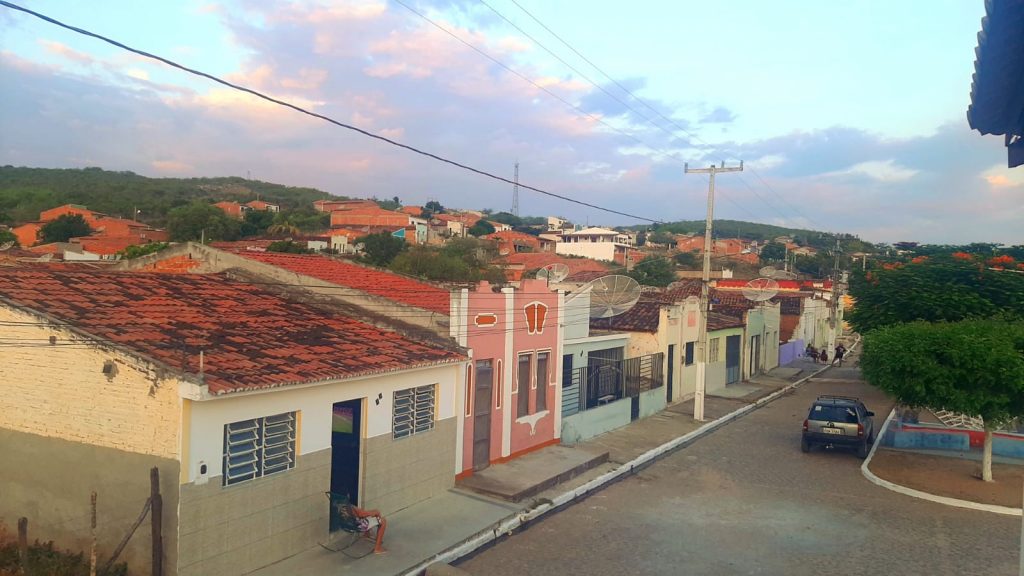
{"points": [[46, 560], [288, 247], [142, 250], [64, 228]]}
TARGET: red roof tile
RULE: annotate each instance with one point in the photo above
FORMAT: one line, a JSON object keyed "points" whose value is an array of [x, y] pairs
{"points": [[642, 317], [538, 260], [250, 338], [369, 280]]}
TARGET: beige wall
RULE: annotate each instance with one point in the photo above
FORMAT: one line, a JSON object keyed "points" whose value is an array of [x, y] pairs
{"points": [[399, 473], [61, 391], [229, 530], [49, 481]]}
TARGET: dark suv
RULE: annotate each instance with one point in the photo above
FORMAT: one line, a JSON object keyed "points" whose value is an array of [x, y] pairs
{"points": [[839, 421]]}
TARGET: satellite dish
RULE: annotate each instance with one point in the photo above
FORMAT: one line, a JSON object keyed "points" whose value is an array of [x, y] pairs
{"points": [[783, 275], [760, 289], [767, 272], [612, 295], [6, 246], [360, 246], [45, 258], [553, 273]]}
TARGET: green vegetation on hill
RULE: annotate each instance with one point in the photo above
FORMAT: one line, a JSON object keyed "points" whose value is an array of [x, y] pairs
{"points": [[763, 232], [25, 192]]}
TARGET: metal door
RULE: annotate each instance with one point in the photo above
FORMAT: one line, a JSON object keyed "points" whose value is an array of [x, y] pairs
{"points": [[732, 359], [755, 354], [483, 392], [671, 371]]}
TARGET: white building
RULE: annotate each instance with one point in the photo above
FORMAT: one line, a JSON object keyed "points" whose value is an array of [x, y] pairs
{"points": [[595, 243]]}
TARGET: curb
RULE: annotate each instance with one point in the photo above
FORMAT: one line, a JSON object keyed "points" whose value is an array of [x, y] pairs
{"points": [[925, 495], [524, 517]]}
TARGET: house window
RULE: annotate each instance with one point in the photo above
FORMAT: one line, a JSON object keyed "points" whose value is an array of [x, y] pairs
{"points": [[542, 380], [413, 411], [713, 350], [689, 353], [258, 447], [499, 393], [523, 384]]}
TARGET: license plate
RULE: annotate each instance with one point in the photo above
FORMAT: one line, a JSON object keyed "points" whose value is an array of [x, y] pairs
{"points": [[833, 430]]}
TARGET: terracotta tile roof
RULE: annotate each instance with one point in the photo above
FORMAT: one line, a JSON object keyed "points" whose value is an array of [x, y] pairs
{"points": [[369, 280], [586, 275], [250, 338], [720, 321], [643, 317]]}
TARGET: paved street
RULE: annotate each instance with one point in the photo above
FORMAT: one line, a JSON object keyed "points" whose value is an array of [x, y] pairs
{"points": [[745, 500]]}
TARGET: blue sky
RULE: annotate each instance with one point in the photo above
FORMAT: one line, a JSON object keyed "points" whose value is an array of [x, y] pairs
{"points": [[851, 115]]}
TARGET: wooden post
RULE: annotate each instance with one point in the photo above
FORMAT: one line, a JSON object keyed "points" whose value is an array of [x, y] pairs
{"points": [[92, 524], [156, 519], [23, 544]]}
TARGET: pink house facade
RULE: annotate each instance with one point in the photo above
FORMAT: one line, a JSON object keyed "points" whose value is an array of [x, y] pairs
{"points": [[511, 401]]}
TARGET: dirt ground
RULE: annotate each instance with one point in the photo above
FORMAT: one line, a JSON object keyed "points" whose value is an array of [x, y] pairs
{"points": [[951, 477]]}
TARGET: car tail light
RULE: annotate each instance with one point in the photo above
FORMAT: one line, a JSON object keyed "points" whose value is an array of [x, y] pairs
{"points": [[805, 425], [860, 429]]}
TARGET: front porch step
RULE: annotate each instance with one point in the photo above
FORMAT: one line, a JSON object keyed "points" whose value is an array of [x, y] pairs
{"points": [[532, 473]]}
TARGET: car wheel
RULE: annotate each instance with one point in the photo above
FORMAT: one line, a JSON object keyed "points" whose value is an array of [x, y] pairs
{"points": [[805, 446], [862, 449]]}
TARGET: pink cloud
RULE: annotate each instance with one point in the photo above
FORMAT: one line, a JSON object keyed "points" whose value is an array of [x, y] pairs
{"points": [[64, 51]]}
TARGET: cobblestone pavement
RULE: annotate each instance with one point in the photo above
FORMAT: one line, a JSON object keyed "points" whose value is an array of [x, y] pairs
{"points": [[745, 500]]}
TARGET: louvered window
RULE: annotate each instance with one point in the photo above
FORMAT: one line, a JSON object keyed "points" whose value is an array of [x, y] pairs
{"points": [[413, 411], [258, 447]]}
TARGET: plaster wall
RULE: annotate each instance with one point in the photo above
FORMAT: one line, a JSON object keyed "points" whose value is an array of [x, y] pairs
{"points": [[604, 251], [596, 421]]}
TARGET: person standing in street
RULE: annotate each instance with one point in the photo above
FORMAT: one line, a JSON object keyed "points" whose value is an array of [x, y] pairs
{"points": [[823, 355], [840, 352]]}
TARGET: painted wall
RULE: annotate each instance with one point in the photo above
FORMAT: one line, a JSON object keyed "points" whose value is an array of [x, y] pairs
{"points": [[690, 333], [499, 326], [717, 373], [790, 351], [61, 391], [604, 251], [53, 493], [596, 421], [314, 403], [652, 402], [762, 321]]}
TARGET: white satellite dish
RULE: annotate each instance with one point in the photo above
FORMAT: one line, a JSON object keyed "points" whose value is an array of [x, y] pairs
{"points": [[612, 295], [767, 272], [6, 246], [45, 258], [553, 273], [783, 275], [760, 289]]}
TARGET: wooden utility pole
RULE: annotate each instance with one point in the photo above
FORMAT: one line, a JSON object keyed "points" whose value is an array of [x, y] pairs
{"points": [[702, 339], [156, 519], [92, 526], [23, 544]]}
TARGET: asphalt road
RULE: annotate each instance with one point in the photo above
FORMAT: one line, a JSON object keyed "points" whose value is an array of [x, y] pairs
{"points": [[745, 500]]}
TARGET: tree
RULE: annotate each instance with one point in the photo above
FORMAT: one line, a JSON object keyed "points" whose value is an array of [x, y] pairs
{"points": [[256, 222], [200, 220], [939, 288], [653, 272], [689, 260], [8, 236], [65, 227], [481, 228], [288, 247], [381, 248], [773, 252], [142, 250], [434, 207], [507, 218], [663, 238], [973, 367], [393, 204]]}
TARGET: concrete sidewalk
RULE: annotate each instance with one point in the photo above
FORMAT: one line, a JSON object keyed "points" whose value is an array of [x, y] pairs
{"points": [[458, 521]]}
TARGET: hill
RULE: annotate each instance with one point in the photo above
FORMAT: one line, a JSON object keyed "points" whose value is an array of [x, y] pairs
{"points": [[766, 232], [24, 192]]}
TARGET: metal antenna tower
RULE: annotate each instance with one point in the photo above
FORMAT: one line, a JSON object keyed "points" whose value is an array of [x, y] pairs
{"points": [[702, 374], [515, 192]]}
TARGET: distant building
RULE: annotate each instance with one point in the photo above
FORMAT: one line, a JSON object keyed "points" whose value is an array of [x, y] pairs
{"points": [[263, 206], [596, 243]]}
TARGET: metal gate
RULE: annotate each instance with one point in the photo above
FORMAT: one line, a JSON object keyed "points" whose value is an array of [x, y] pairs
{"points": [[732, 359]]}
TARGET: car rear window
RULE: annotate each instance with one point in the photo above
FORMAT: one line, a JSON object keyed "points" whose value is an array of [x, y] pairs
{"points": [[845, 414]]}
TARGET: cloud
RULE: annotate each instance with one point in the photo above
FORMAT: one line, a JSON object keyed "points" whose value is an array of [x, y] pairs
{"points": [[719, 115], [881, 170], [171, 166], [66, 52]]}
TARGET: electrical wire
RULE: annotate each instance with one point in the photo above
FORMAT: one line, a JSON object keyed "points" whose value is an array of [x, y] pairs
{"points": [[302, 110], [660, 114]]}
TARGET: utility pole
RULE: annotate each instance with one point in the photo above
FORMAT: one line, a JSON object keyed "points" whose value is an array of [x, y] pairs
{"points": [[835, 300], [515, 192], [702, 338]]}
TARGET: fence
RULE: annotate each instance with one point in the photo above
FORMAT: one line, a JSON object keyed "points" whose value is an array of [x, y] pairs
{"points": [[606, 381]]}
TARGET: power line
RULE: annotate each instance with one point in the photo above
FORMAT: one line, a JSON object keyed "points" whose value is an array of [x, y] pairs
{"points": [[297, 108], [656, 111]]}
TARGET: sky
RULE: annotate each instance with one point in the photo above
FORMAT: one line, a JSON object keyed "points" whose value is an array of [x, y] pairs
{"points": [[849, 117]]}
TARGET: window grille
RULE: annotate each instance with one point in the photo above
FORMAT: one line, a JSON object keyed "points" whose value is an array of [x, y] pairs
{"points": [[258, 447], [413, 411]]}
